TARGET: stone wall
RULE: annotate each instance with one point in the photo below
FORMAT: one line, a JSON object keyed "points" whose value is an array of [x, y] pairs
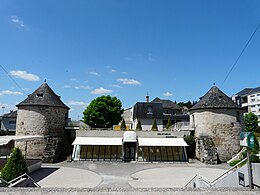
{"points": [[206, 150], [223, 126], [46, 121]]}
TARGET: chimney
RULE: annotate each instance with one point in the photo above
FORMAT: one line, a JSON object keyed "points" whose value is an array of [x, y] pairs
{"points": [[147, 99]]}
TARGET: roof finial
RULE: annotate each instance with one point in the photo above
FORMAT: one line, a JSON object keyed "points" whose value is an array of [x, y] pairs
{"points": [[44, 80], [214, 84]]}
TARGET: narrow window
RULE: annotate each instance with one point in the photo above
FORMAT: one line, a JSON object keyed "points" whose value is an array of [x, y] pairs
{"points": [[238, 116]]}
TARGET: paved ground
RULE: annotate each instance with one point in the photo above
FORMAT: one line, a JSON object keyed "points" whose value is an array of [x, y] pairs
{"points": [[118, 178], [122, 175]]}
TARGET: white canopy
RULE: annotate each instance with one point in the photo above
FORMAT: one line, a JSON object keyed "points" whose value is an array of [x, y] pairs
{"points": [[116, 141], [162, 142], [5, 139], [108, 141]]}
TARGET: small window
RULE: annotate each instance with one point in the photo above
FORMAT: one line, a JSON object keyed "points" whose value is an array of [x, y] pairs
{"points": [[252, 100], [253, 106], [252, 95], [258, 95], [221, 96], [149, 110], [12, 122], [39, 94]]}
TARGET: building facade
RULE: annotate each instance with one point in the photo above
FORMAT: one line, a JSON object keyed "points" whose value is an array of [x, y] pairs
{"points": [[43, 113], [8, 121], [249, 99], [158, 109], [217, 121]]}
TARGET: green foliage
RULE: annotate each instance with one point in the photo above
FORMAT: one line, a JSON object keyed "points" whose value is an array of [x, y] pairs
{"points": [[251, 122], [139, 125], [190, 140], [154, 126], [188, 104], [123, 126], [169, 123], [15, 166], [234, 162], [103, 112]]}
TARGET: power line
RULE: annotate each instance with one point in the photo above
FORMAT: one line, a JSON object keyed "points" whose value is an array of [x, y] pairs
{"points": [[13, 80], [240, 56]]}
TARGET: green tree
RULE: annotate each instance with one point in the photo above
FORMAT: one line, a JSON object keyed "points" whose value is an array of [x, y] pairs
{"points": [[103, 112], [139, 125], [123, 126], [154, 126], [169, 123], [190, 140], [15, 166], [251, 122]]}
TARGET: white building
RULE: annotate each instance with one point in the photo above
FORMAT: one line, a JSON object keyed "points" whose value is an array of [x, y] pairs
{"points": [[249, 98]]}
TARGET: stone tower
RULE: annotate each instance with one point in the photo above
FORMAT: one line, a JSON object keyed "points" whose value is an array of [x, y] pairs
{"points": [[43, 113], [218, 122]]}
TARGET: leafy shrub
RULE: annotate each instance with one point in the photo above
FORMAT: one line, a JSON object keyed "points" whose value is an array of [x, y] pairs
{"points": [[15, 166]]}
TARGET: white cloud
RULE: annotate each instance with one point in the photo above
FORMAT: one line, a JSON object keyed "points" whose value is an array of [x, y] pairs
{"points": [[74, 80], [113, 70], [124, 72], [19, 23], [8, 92], [94, 73], [117, 86], [67, 86], [76, 103], [24, 75], [167, 94], [126, 81], [82, 87], [101, 90]]}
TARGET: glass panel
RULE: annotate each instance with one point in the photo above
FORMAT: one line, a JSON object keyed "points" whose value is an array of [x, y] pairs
{"points": [[95, 152], [83, 152], [146, 153], [170, 153], [89, 152], [164, 154], [107, 153], [152, 153], [101, 152], [158, 154]]}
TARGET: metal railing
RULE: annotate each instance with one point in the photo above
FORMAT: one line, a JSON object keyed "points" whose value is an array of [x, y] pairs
{"points": [[20, 179], [213, 182]]}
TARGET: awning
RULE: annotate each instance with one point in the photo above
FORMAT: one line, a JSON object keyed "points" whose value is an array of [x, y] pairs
{"points": [[105, 141], [162, 142], [5, 139]]}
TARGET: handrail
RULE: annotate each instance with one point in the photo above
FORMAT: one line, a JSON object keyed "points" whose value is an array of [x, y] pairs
{"points": [[232, 168], [21, 176], [211, 183]]}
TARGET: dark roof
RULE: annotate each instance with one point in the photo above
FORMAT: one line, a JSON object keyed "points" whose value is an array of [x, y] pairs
{"points": [[43, 96], [167, 103], [215, 98], [140, 110], [248, 91], [12, 114]]}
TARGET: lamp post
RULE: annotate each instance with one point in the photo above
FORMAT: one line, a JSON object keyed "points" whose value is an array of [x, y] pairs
{"points": [[3, 110]]}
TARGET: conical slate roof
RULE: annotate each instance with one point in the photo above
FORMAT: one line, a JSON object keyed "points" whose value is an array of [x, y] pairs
{"points": [[43, 96], [215, 98]]}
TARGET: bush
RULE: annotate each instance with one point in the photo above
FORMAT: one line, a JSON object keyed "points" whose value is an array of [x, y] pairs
{"points": [[234, 162], [190, 140], [123, 126], [15, 166], [169, 123], [154, 126], [139, 125]]}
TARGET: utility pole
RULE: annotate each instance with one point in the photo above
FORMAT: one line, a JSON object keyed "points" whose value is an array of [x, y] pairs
{"points": [[249, 168]]}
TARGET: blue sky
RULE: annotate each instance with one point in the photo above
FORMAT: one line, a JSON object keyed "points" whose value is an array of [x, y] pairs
{"points": [[126, 48]]}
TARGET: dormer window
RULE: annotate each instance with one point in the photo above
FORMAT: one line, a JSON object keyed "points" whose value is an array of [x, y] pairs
{"points": [[221, 96], [149, 110], [39, 94]]}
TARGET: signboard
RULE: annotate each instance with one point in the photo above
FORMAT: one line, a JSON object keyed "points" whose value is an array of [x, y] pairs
{"points": [[247, 139], [241, 179]]}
